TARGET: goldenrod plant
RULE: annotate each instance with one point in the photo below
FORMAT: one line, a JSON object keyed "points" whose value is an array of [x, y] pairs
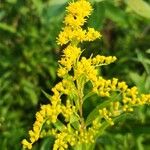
{"points": [[63, 117]]}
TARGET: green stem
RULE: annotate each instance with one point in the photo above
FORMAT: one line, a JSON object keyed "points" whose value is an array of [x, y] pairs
{"points": [[80, 95]]}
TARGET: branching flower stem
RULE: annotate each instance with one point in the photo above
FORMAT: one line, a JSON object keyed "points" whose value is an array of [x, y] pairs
{"points": [[76, 71]]}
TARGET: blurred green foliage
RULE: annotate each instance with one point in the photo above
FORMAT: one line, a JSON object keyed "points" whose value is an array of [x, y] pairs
{"points": [[28, 63], [28, 54]]}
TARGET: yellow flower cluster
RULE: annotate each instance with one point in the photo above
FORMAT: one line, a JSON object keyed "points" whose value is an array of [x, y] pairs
{"points": [[77, 34], [81, 8], [130, 98], [68, 95], [68, 110], [88, 67], [77, 11], [46, 112], [91, 35], [104, 88], [103, 60], [107, 115], [88, 135], [63, 138], [74, 138], [75, 19], [85, 67], [71, 54], [51, 111]]}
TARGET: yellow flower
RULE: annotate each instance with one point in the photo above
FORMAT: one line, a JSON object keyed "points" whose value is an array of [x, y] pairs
{"points": [[71, 34], [103, 60], [62, 38], [61, 72], [71, 54], [80, 8], [74, 21], [26, 144], [91, 34]]}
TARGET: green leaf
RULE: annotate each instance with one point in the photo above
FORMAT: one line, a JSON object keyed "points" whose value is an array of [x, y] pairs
{"points": [[38, 6], [98, 15], [115, 14], [141, 81], [12, 1], [59, 125], [84, 146], [6, 27], [47, 143], [140, 143], [2, 14], [52, 72], [60, 2], [143, 60], [88, 95], [46, 95], [76, 125], [118, 119], [74, 118], [74, 121], [140, 7], [96, 0], [148, 51], [95, 111]]}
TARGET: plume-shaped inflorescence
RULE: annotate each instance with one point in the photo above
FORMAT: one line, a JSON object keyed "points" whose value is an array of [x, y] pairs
{"points": [[63, 116]]}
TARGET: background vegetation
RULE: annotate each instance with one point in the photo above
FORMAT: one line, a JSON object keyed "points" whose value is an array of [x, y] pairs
{"points": [[28, 63]]}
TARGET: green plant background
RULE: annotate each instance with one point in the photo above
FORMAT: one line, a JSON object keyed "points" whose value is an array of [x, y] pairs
{"points": [[28, 63]]}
